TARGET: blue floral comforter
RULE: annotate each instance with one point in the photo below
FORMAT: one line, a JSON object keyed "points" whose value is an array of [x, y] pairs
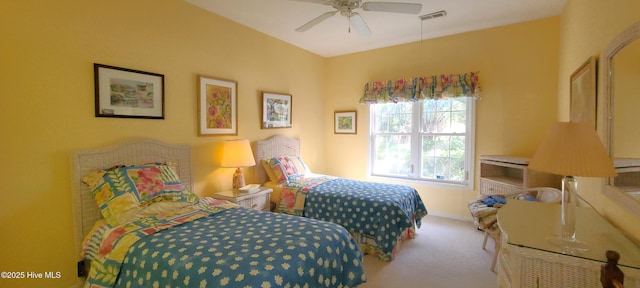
{"points": [[237, 247], [378, 214]]}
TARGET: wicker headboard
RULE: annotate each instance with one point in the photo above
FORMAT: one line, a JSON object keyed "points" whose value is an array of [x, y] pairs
{"points": [[274, 146], [133, 151]]}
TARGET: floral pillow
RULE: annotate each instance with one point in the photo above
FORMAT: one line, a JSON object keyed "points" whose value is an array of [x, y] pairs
{"points": [[122, 192], [286, 169]]}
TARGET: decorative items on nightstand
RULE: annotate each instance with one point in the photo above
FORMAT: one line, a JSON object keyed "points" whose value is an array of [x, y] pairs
{"points": [[256, 200], [237, 154]]}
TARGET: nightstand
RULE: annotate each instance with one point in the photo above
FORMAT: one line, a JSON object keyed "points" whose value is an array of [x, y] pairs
{"points": [[256, 201]]}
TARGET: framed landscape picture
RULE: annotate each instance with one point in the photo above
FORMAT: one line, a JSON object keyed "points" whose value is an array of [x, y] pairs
{"points": [[217, 106], [345, 122], [276, 110], [583, 93], [128, 93]]}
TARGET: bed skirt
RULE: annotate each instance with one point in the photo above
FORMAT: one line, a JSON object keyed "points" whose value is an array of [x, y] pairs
{"points": [[369, 246]]}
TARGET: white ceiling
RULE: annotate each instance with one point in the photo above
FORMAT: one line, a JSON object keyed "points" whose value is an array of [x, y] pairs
{"points": [[279, 19]]}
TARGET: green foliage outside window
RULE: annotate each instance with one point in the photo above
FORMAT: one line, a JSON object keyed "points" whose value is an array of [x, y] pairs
{"points": [[441, 134]]}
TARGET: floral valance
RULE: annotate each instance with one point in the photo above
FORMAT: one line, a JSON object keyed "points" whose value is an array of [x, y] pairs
{"points": [[414, 89]]}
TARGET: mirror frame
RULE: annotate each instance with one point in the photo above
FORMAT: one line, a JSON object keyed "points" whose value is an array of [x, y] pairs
{"points": [[627, 36]]}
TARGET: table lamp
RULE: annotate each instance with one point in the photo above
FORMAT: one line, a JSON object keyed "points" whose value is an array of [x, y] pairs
{"points": [[237, 154], [572, 149]]}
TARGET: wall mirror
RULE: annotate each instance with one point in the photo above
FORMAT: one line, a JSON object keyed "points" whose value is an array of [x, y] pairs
{"points": [[621, 67]]}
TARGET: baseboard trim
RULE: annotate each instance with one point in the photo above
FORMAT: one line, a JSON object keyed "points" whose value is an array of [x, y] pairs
{"points": [[451, 216]]}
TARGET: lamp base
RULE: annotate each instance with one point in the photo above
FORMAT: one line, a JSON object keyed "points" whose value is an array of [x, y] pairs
{"points": [[568, 246], [238, 179]]}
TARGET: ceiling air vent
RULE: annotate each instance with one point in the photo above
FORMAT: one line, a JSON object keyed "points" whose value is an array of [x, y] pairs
{"points": [[433, 15]]}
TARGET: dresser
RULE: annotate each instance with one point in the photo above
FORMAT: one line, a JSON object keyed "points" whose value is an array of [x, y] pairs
{"points": [[628, 179], [257, 200], [508, 175], [527, 259]]}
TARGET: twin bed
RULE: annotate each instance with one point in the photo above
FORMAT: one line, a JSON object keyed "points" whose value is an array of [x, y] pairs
{"points": [[175, 240], [139, 225], [379, 216]]}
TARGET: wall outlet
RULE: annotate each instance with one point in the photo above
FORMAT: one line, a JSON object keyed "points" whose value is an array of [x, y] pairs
{"points": [[82, 269]]}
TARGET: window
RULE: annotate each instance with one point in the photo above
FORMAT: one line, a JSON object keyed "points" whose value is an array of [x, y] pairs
{"points": [[428, 140]]}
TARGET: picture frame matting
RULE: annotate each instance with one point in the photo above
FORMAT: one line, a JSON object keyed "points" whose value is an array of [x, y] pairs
{"points": [[217, 106], [345, 122]]}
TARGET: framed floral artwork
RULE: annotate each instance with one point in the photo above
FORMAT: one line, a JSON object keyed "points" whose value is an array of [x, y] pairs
{"points": [[128, 93], [276, 110], [345, 122], [217, 106]]}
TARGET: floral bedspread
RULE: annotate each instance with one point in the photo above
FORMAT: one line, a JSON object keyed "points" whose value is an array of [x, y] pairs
{"points": [[212, 245], [380, 212], [294, 194], [107, 245]]}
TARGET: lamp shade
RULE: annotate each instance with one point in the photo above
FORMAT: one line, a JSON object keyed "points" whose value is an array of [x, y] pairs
{"points": [[573, 149], [237, 153]]}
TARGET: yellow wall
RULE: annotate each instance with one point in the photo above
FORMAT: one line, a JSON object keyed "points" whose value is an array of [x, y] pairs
{"points": [[46, 88], [518, 75], [587, 28], [47, 100]]}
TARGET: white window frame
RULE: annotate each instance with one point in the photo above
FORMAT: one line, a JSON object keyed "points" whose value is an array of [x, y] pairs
{"points": [[469, 160]]}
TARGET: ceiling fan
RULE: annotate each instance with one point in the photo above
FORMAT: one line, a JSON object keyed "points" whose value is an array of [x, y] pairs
{"points": [[346, 7]]}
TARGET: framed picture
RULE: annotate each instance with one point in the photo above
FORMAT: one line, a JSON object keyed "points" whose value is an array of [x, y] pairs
{"points": [[345, 122], [217, 106], [276, 110], [583, 93], [127, 93]]}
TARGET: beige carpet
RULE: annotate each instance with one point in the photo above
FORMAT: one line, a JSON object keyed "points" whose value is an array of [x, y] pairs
{"points": [[445, 253]]}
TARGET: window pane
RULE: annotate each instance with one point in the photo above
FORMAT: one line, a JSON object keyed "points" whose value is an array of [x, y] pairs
{"points": [[436, 116], [459, 104], [443, 104], [459, 115], [444, 115], [392, 155], [428, 157], [443, 157], [392, 118]]}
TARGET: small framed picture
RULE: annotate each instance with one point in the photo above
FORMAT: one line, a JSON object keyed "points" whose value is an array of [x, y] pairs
{"points": [[127, 93], [345, 122], [276, 110], [217, 106]]}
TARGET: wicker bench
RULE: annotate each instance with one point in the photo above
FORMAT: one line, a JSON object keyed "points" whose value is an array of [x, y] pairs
{"points": [[486, 218]]}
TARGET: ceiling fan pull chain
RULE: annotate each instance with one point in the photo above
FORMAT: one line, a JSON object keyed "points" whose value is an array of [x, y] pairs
{"points": [[349, 21]]}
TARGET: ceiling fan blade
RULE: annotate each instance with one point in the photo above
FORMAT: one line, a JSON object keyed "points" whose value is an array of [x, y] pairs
{"points": [[359, 25], [315, 21], [323, 2], [408, 8]]}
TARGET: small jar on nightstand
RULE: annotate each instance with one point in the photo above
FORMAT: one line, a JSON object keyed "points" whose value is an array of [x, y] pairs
{"points": [[257, 200]]}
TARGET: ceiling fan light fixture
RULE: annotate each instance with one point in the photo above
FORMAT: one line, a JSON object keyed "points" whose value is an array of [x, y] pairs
{"points": [[346, 7]]}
